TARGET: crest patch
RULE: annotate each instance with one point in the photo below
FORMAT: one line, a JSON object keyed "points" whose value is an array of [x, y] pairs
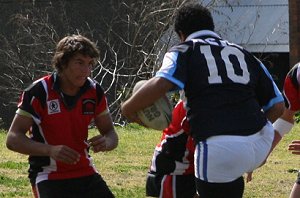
{"points": [[88, 106], [53, 106]]}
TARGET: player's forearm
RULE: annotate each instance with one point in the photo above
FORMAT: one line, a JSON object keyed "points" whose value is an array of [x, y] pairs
{"points": [[24, 145], [154, 89], [112, 140], [277, 139], [285, 123], [142, 99]]}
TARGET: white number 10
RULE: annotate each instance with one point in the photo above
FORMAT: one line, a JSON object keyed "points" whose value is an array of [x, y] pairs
{"points": [[214, 77]]}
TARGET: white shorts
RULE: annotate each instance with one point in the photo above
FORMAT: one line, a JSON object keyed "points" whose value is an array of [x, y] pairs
{"points": [[224, 158]]}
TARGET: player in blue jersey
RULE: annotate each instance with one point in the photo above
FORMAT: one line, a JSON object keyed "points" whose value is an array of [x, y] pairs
{"points": [[231, 102]]}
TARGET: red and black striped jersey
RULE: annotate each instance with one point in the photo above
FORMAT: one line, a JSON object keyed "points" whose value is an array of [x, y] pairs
{"points": [[174, 155], [59, 122]]}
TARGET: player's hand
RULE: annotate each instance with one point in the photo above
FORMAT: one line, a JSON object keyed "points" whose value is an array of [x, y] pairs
{"points": [[138, 121], [64, 154], [131, 116], [98, 143], [295, 147], [249, 177], [134, 118]]}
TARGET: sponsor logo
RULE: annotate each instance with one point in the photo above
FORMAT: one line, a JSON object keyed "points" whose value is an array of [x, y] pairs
{"points": [[53, 106]]}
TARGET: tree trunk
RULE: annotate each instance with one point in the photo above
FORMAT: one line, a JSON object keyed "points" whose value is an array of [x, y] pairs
{"points": [[294, 28]]}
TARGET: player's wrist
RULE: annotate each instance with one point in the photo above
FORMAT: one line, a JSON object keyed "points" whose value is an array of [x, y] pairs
{"points": [[282, 126], [133, 117]]}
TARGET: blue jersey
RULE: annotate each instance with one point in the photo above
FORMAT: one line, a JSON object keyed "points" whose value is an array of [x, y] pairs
{"points": [[227, 88]]}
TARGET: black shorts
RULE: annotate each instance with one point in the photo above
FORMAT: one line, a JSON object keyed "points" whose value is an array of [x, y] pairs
{"points": [[233, 189], [180, 186], [91, 186]]}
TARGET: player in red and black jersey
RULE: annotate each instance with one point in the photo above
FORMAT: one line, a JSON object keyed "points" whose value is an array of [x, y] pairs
{"points": [[172, 168], [285, 123], [232, 101], [57, 111]]}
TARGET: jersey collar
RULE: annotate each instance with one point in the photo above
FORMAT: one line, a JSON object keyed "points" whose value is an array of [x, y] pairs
{"points": [[202, 33], [56, 87]]}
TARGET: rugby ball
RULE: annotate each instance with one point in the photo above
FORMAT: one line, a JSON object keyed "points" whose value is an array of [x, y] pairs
{"points": [[158, 115]]}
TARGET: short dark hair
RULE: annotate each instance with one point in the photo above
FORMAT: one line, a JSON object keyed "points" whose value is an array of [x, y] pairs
{"points": [[71, 45], [191, 18]]}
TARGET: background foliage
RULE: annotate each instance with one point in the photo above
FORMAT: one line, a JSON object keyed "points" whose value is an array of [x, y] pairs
{"points": [[128, 34]]}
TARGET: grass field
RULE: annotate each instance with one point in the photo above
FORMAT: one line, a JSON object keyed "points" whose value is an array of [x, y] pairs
{"points": [[125, 168]]}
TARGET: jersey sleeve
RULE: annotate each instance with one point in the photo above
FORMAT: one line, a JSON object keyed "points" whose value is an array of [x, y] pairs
{"points": [[32, 100], [174, 66], [102, 106], [267, 91]]}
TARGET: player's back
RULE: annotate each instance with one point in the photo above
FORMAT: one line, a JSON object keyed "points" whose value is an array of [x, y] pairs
{"points": [[222, 87]]}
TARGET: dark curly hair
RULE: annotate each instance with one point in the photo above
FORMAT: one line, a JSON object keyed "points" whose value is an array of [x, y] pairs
{"points": [[191, 18], [71, 45]]}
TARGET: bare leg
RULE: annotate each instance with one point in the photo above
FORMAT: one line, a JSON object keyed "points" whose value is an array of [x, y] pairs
{"points": [[295, 193]]}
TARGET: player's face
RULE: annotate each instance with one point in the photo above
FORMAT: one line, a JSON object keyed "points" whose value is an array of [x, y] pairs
{"points": [[75, 73]]}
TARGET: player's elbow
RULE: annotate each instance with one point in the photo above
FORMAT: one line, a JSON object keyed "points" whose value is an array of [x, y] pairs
{"points": [[10, 142], [125, 110], [275, 111], [279, 109]]}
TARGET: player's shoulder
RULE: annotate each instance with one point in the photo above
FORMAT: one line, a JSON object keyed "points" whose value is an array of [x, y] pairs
{"points": [[95, 86], [181, 47], [38, 86], [38, 90]]}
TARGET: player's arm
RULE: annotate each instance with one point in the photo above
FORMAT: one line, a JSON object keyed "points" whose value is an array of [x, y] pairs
{"points": [[272, 114], [269, 96], [172, 151], [275, 111], [283, 126], [108, 138], [154, 89], [18, 141]]}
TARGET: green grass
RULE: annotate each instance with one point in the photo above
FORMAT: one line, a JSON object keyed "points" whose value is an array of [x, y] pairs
{"points": [[125, 168]]}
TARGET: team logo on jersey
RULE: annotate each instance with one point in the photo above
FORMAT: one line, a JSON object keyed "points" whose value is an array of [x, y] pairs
{"points": [[88, 106], [53, 106]]}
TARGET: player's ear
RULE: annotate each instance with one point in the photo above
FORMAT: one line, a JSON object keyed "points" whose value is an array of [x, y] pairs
{"points": [[182, 36]]}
